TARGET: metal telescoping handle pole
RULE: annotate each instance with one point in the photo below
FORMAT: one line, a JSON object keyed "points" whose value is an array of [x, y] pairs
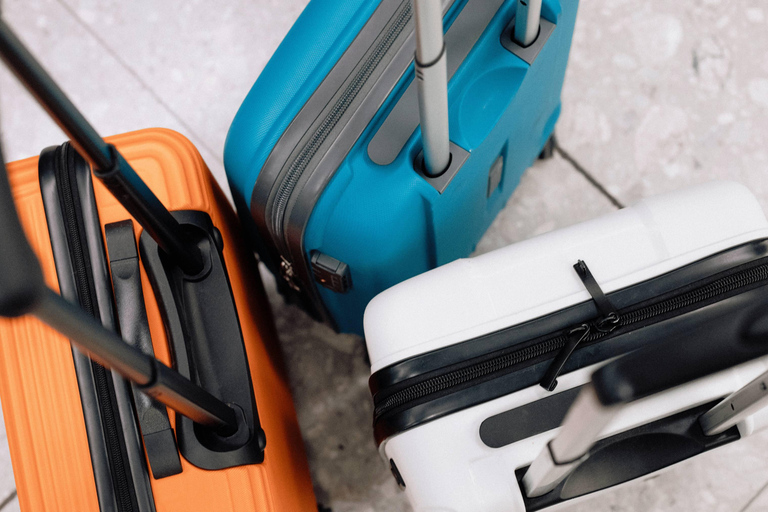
{"points": [[527, 21], [432, 81], [23, 291], [109, 166], [736, 407], [582, 425]]}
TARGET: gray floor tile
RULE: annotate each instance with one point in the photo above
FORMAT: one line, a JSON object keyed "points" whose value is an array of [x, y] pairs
{"points": [[12, 506], [110, 97], [551, 195], [759, 502], [7, 483], [659, 95], [216, 49], [329, 378]]}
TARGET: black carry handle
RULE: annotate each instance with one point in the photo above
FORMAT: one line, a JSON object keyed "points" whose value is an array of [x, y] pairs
{"points": [[704, 350], [23, 291], [108, 164]]}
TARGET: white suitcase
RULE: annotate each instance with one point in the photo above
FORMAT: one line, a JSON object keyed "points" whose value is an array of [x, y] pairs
{"points": [[458, 353]]}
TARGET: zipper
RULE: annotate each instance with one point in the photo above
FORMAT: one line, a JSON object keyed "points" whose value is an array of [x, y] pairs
{"points": [[582, 334], [67, 187], [299, 165], [576, 337]]}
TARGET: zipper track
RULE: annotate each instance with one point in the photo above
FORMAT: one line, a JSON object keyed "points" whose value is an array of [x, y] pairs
{"points": [[67, 187], [300, 163], [724, 285]]}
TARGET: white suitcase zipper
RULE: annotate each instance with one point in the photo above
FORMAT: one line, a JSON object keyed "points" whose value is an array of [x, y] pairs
{"points": [[735, 281]]}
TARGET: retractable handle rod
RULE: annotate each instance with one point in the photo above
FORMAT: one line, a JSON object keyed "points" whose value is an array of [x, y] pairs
{"points": [[108, 164], [527, 22], [23, 291], [737, 407], [432, 82]]}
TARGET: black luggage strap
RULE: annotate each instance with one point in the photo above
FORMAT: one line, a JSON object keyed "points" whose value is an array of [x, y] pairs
{"points": [[607, 322], [159, 441]]}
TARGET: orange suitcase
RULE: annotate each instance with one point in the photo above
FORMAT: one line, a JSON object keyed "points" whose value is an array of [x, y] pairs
{"points": [[70, 450]]}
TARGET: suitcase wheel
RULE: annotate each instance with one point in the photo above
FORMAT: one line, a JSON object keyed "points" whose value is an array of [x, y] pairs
{"points": [[548, 151]]}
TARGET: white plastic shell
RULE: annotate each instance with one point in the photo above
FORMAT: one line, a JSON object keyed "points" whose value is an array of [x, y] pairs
{"points": [[444, 463]]}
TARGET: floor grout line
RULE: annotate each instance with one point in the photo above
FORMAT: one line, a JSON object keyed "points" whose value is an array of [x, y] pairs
{"points": [[576, 165], [757, 495], [138, 77], [8, 499]]}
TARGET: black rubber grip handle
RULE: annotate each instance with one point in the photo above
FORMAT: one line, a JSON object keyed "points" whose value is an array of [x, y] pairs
{"points": [[717, 337], [21, 278]]}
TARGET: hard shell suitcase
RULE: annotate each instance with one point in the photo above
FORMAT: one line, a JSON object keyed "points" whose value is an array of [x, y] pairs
{"points": [[323, 157], [475, 364], [81, 437]]}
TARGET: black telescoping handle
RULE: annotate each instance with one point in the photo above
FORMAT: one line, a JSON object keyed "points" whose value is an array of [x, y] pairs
{"points": [[109, 166], [21, 278], [152, 377], [23, 291]]}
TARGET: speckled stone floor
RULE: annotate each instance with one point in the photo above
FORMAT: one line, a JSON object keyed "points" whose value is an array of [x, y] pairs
{"points": [[658, 95]]}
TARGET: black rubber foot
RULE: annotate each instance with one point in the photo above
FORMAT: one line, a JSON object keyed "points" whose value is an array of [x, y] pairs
{"points": [[548, 151]]}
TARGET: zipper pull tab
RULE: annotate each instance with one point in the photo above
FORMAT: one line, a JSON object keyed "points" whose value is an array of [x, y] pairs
{"points": [[609, 321], [576, 336]]}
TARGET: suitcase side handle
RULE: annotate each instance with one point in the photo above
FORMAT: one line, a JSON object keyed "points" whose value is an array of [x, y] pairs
{"points": [[23, 291], [108, 164], [699, 351]]}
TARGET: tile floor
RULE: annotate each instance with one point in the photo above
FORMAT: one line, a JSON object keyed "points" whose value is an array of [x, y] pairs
{"points": [[658, 95]]}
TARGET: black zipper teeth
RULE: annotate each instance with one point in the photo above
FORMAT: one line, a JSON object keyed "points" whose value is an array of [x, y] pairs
{"points": [[109, 421], [460, 376], [723, 285], [299, 165]]}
